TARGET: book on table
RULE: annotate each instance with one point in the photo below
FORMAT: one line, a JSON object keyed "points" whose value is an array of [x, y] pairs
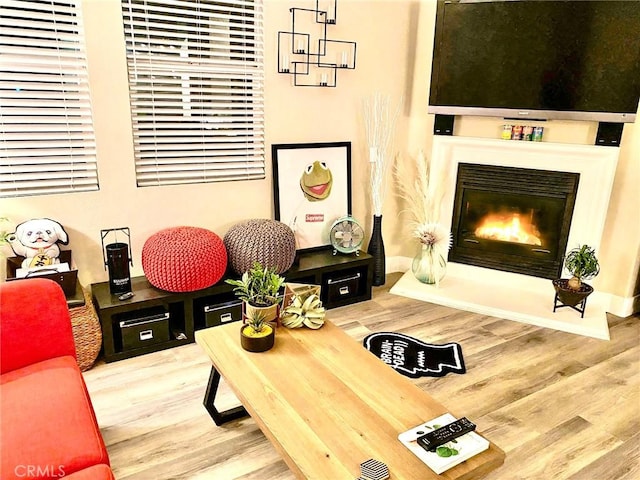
{"points": [[448, 455]]}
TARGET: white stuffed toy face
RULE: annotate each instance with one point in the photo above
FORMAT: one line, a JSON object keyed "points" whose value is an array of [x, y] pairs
{"points": [[41, 233], [37, 238]]}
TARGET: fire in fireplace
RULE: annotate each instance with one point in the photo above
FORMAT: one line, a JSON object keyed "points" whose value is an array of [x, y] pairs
{"points": [[509, 226], [512, 219]]}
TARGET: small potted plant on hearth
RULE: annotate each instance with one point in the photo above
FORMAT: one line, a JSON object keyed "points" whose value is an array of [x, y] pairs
{"points": [[582, 264], [257, 335], [259, 289]]}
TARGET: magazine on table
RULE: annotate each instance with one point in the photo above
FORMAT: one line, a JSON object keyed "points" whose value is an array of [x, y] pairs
{"points": [[448, 455]]}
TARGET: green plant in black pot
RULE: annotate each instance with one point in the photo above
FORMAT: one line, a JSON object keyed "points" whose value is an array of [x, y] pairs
{"points": [[259, 288], [583, 264]]}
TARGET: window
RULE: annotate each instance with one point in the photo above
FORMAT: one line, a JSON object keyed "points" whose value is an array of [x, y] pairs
{"points": [[47, 144], [196, 77]]}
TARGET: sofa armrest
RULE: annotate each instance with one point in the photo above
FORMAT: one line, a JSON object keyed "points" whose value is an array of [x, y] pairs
{"points": [[34, 323]]}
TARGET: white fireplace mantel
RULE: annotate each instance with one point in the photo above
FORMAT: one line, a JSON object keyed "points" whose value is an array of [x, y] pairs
{"points": [[509, 295]]}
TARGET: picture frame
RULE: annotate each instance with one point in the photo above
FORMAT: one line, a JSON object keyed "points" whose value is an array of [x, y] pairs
{"points": [[311, 189]]}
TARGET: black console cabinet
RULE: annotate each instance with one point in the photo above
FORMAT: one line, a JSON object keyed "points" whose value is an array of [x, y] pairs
{"points": [[154, 319]]}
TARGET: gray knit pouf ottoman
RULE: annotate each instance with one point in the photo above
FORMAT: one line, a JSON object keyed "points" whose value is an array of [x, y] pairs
{"points": [[269, 242]]}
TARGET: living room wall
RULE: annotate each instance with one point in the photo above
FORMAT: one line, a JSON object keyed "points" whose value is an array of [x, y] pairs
{"points": [[293, 115], [394, 42]]}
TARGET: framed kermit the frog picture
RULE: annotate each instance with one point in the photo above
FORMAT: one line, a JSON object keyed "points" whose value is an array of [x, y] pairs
{"points": [[311, 189]]}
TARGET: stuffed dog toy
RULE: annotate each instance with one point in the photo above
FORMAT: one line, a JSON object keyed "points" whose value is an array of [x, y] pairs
{"points": [[37, 240]]}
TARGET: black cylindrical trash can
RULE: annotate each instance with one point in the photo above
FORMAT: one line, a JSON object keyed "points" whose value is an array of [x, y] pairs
{"points": [[118, 265]]}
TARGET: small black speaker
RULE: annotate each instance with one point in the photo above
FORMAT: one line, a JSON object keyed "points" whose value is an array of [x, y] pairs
{"points": [[609, 134], [443, 124]]}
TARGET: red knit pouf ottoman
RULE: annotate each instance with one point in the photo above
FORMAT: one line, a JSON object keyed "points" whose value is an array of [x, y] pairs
{"points": [[262, 240], [184, 259]]}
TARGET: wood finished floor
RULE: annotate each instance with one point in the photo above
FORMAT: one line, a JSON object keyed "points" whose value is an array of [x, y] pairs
{"points": [[561, 406]]}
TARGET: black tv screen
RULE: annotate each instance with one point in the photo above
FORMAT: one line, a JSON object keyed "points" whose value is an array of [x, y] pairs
{"points": [[538, 59]]}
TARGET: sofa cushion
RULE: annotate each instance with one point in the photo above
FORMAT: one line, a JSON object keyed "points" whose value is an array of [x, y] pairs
{"points": [[34, 323], [48, 421]]}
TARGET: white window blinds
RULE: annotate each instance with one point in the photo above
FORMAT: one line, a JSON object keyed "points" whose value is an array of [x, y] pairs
{"points": [[196, 76], [47, 144]]}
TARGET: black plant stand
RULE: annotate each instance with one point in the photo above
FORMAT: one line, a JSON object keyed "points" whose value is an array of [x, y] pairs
{"points": [[568, 297], [580, 307]]}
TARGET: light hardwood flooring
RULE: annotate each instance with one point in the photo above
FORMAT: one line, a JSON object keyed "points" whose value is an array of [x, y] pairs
{"points": [[560, 405]]}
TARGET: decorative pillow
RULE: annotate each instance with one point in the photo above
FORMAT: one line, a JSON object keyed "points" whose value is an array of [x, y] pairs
{"points": [[184, 259], [269, 242]]}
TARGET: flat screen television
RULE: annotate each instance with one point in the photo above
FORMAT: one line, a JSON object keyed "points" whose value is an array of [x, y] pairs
{"points": [[537, 59]]}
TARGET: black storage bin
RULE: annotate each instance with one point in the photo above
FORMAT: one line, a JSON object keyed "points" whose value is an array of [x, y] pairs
{"points": [[147, 327], [222, 313], [344, 287]]}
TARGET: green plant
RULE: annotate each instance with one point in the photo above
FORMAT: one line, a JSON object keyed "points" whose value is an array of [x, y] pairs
{"points": [[257, 321], [3, 233], [583, 264], [303, 311], [257, 335], [259, 286]]}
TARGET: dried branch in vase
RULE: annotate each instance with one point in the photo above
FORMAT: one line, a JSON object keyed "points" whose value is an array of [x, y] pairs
{"points": [[380, 120], [423, 197]]}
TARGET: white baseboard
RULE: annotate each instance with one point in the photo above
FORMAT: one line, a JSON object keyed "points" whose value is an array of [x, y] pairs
{"points": [[397, 264], [624, 306]]}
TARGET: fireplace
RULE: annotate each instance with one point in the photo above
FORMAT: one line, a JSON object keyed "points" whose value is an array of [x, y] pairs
{"points": [[488, 290], [512, 219]]}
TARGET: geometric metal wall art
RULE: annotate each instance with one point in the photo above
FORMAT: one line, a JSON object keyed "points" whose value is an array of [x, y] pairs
{"points": [[309, 56]]}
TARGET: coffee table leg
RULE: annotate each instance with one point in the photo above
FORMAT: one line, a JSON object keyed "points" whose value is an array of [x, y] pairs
{"points": [[210, 397]]}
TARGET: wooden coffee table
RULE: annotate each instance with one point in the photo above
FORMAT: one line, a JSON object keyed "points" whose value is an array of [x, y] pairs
{"points": [[327, 404]]}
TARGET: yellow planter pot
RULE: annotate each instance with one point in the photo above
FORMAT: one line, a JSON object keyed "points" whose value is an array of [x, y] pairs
{"points": [[260, 342]]}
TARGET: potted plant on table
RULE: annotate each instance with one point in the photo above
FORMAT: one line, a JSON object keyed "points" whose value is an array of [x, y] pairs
{"points": [[583, 264], [257, 335], [259, 290], [305, 309]]}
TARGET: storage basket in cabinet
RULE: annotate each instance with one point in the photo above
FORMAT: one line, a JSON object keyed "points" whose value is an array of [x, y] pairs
{"points": [[344, 286], [144, 327], [222, 313]]}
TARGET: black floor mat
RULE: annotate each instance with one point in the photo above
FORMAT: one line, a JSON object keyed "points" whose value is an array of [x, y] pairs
{"points": [[414, 358]]}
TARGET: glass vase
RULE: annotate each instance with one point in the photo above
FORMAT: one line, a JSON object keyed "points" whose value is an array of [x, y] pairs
{"points": [[429, 266]]}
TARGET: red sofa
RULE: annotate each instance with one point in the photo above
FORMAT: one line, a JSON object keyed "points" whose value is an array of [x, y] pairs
{"points": [[48, 428]]}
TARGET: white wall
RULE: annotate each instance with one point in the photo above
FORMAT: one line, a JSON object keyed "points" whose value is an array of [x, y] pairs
{"points": [[394, 42]]}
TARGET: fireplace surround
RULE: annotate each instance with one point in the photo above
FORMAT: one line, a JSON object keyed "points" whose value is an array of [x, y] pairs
{"points": [[520, 296]]}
